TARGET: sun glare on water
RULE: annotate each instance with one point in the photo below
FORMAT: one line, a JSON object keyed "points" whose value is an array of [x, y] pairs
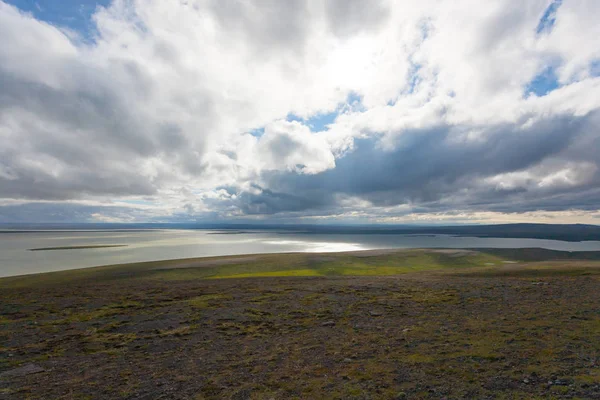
{"points": [[319, 247]]}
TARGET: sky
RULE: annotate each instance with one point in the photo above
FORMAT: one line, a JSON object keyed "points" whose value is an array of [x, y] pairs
{"points": [[300, 111]]}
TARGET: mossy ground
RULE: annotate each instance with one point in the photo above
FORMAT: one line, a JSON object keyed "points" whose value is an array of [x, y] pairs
{"points": [[459, 328]]}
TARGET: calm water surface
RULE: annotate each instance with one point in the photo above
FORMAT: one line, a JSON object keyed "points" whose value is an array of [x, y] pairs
{"points": [[16, 259]]}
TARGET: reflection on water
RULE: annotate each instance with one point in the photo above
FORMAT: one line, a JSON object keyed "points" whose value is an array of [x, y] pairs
{"points": [[16, 259], [320, 247]]}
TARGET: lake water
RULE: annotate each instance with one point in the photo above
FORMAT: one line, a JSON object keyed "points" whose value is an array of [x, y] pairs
{"points": [[16, 259]]}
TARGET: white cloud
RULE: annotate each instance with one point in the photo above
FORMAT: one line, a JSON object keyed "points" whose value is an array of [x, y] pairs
{"points": [[161, 103], [291, 146]]}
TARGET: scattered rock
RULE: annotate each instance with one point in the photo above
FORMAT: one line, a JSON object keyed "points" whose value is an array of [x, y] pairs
{"points": [[525, 381], [243, 394], [374, 313], [347, 360], [25, 370], [328, 323]]}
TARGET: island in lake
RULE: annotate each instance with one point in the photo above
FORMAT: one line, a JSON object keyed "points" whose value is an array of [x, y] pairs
{"points": [[96, 246]]}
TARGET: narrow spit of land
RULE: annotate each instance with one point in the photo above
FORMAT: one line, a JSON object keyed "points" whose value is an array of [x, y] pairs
{"points": [[93, 246], [362, 325]]}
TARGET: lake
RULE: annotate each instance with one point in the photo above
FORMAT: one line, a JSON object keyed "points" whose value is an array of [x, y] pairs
{"points": [[151, 245]]}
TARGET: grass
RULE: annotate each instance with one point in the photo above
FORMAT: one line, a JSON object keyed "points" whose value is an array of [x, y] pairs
{"points": [[338, 264], [266, 265], [479, 263], [207, 301], [344, 325], [181, 331], [262, 274]]}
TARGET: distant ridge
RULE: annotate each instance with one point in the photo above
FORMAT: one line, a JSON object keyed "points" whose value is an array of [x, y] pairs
{"points": [[566, 232]]}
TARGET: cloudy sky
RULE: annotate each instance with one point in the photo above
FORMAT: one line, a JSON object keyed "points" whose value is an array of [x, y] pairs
{"points": [[426, 111]]}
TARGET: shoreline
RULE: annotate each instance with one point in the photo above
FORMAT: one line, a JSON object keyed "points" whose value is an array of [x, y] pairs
{"points": [[253, 262]]}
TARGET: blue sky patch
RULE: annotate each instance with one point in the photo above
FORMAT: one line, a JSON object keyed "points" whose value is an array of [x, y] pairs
{"points": [[547, 21], [293, 117], [257, 132], [72, 14], [414, 77], [319, 122], [316, 123], [595, 68], [543, 83], [413, 81], [353, 103]]}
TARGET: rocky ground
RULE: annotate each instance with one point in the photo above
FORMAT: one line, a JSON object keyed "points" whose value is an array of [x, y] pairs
{"points": [[525, 330]]}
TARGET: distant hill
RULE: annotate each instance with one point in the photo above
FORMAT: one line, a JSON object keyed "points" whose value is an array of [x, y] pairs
{"points": [[572, 233]]}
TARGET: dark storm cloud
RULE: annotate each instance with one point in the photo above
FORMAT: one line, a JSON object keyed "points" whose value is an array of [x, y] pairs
{"points": [[271, 202], [90, 134], [443, 168], [97, 112], [81, 145], [40, 186], [71, 127]]}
